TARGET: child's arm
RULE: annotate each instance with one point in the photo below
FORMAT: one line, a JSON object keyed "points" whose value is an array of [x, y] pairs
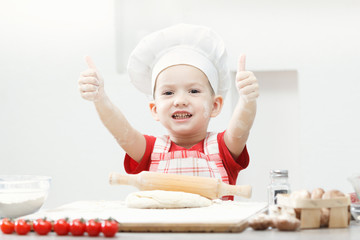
{"points": [[91, 86], [244, 113]]}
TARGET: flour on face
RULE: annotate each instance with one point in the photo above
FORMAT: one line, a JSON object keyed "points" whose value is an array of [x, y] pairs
{"points": [[206, 110]]}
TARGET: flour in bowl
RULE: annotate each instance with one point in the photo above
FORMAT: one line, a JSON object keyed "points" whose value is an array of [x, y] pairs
{"points": [[15, 203]]}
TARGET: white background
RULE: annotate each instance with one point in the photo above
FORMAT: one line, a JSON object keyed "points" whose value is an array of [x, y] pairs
{"points": [[306, 55]]}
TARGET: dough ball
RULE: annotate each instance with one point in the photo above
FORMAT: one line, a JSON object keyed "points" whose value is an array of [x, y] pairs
{"points": [[165, 199]]}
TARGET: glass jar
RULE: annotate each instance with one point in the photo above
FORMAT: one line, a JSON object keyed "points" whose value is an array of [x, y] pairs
{"points": [[279, 183]]}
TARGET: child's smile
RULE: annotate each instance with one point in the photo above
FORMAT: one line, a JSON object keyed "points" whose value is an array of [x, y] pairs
{"points": [[181, 115]]}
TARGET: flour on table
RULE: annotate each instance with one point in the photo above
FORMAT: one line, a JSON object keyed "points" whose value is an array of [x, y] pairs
{"points": [[165, 199]]}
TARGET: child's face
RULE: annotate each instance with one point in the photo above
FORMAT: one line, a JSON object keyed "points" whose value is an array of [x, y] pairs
{"points": [[184, 100]]}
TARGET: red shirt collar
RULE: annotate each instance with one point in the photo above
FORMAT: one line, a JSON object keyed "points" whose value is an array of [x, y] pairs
{"points": [[197, 147]]}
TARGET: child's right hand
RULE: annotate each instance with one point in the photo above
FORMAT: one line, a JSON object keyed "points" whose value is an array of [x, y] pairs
{"points": [[91, 84]]}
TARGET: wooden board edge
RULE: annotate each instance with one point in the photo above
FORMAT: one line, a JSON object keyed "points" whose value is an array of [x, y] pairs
{"points": [[218, 227], [184, 227]]}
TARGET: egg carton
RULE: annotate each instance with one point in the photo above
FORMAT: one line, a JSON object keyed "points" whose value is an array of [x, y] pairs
{"points": [[310, 210]]}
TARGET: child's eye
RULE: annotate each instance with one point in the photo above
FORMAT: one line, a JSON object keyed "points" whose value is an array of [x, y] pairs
{"points": [[167, 93], [194, 91]]}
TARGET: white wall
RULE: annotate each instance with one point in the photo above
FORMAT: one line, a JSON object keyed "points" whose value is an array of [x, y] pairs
{"points": [[46, 128], [275, 137]]}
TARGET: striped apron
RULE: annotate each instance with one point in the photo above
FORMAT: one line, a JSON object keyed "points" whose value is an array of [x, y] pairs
{"points": [[189, 162]]}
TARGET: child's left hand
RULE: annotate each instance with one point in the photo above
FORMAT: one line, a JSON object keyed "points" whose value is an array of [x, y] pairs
{"points": [[246, 82]]}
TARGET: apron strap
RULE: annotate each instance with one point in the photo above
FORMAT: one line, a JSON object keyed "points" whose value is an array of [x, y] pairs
{"points": [[162, 144], [211, 145]]}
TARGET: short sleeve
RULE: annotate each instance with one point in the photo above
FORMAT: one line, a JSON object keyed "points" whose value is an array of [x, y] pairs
{"points": [[232, 166], [133, 167]]}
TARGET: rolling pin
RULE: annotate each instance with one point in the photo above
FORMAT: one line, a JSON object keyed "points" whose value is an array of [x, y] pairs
{"points": [[211, 188]]}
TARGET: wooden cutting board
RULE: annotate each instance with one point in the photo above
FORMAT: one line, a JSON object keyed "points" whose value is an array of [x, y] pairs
{"points": [[222, 216]]}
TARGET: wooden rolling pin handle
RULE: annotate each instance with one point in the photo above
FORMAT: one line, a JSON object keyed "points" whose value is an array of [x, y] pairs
{"points": [[238, 190], [115, 179]]}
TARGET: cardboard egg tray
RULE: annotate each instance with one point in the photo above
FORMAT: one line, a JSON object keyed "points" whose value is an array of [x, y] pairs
{"points": [[311, 210]]}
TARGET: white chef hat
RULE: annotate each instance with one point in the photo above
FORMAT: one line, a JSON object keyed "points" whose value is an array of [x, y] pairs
{"points": [[193, 45]]}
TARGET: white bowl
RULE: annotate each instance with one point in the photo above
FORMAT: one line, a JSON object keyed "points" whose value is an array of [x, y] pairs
{"points": [[22, 194]]}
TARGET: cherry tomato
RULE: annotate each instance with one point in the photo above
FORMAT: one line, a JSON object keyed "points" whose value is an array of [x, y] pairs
{"points": [[93, 227], [61, 227], [77, 227], [7, 226], [22, 227], [42, 226], [109, 228]]}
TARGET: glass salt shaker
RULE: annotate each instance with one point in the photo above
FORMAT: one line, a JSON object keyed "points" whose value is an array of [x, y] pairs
{"points": [[279, 184]]}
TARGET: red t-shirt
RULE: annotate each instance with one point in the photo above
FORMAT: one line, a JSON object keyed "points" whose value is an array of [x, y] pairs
{"points": [[232, 166]]}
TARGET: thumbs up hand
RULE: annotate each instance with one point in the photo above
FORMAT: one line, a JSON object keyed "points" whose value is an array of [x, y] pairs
{"points": [[246, 82], [91, 84]]}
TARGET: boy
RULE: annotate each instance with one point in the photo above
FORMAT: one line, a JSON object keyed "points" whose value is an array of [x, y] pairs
{"points": [[183, 69]]}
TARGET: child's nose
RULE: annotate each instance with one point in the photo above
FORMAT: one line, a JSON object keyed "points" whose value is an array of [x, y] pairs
{"points": [[181, 100]]}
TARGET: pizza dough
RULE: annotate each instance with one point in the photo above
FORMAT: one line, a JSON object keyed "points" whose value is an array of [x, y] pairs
{"points": [[166, 199]]}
